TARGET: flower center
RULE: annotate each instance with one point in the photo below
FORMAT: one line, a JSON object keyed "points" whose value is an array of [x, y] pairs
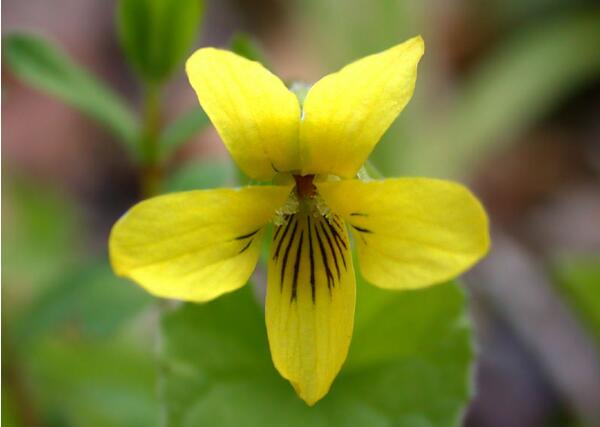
{"points": [[303, 199], [305, 187]]}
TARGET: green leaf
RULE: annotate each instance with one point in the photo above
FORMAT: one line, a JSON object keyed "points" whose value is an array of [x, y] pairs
{"points": [[409, 364], [579, 279], [244, 45], [157, 34], [181, 130], [44, 66], [40, 226], [204, 174], [9, 413], [90, 299], [106, 384]]}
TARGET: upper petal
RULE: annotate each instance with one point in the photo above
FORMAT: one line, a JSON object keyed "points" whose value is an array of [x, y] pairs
{"points": [[194, 245], [411, 232], [346, 113], [255, 114], [310, 302]]}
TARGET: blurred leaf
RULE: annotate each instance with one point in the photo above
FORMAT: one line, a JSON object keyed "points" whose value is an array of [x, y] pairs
{"points": [[521, 81], [246, 46], [44, 66], [207, 173], [409, 364], [93, 384], [506, 13], [9, 416], [90, 300], [181, 130], [580, 280], [157, 34], [40, 227], [198, 175]]}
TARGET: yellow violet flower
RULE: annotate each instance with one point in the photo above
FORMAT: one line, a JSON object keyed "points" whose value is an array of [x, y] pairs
{"points": [[409, 232]]}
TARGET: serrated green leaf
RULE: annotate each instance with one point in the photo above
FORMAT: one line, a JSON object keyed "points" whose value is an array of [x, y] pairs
{"points": [[409, 365], [181, 130], [44, 66], [157, 34]]}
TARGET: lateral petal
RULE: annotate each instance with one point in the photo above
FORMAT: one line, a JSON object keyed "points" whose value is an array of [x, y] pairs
{"points": [[194, 245], [346, 113], [310, 302], [411, 232], [255, 114]]}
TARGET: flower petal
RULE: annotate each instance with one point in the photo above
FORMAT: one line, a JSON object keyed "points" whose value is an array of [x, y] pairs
{"points": [[411, 232], [346, 113], [255, 114], [194, 245], [310, 302]]}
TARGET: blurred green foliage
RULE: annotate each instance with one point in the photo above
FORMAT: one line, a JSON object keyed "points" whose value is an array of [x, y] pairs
{"points": [[89, 300], [44, 66], [108, 383], [40, 227], [579, 279], [246, 46], [510, 89], [181, 130], [67, 359], [200, 175], [408, 365], [156, 35]]}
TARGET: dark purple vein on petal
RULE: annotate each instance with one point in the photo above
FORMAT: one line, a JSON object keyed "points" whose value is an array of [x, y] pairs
{"points": [[333, 252], [312, 260], [245, 236], [246, 247], [324, 259], [339, 242], [287, 227], [297, 268], [286, 254]]}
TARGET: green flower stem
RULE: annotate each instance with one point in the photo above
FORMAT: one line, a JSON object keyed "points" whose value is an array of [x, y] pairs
{"points": [[151, 171]]}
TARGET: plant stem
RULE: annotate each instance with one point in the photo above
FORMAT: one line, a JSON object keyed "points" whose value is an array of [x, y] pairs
{"points": [[151, 169]]}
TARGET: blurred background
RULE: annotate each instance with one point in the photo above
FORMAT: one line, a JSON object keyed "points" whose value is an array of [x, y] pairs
{"points": [[507, 101]]}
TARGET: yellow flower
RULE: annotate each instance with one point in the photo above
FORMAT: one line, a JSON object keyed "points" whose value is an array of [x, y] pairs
{"points": [[409, 232]]}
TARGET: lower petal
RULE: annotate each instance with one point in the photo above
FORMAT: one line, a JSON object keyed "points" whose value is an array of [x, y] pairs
{"points": [[194, 245], [310, 302], [411, 232]]}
